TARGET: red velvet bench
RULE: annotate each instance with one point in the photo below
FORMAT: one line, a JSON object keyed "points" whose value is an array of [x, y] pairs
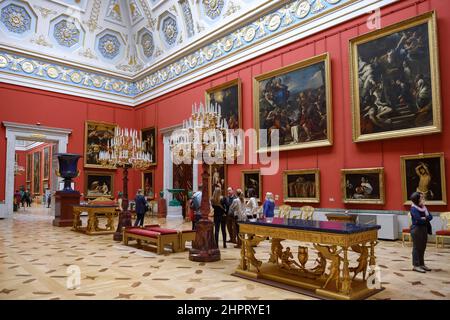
{"points": [[155, 235]]}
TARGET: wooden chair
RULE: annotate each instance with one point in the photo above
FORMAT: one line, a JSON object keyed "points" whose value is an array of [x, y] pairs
{"points": [[307, 212], [284, 211], [445, 233], [406, 232]]}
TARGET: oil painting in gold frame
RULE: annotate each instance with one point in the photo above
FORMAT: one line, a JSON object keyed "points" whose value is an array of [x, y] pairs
{"points": [[218, 178], [148, 179], [228, 96], [395, 81], [363, 185], [96, 137], [301, 185], [150, 142], [252, 179], [424, 173], [98, 184], [296, 100]]}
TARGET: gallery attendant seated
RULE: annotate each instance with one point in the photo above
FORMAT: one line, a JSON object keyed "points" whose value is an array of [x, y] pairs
{"points": [[420, 228]]}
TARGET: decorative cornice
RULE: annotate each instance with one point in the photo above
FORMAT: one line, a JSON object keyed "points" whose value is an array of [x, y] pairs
{"points": [[286, 23]]}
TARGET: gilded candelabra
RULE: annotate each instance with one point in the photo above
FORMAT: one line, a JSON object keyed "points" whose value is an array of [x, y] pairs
{"points": [[205, 137], [125, 150]]}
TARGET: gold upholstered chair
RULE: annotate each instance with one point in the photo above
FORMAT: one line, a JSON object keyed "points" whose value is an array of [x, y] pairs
{"points": [[444, 233], [307, 212], [284, 211], [406, 232]]}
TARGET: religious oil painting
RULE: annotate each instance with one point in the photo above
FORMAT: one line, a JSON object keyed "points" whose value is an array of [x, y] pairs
{"points": [[294, 101], [97, 137], [46, 163], [228, 96], [147, 184], [149, 141], [365, 185], [218, 178], [301, 186], [251, 180], [424, 173], [37, 172], [395, 81], [99, 184]]}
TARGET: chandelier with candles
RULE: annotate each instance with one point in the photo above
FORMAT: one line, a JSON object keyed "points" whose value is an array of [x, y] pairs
{"points": [[125, 149], [205, 134]]}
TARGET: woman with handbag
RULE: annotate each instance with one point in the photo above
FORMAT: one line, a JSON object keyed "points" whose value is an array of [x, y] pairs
{"points": [[420, 228]]}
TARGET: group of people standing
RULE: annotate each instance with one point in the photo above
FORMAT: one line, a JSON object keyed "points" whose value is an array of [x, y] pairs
{"points": [[231, 209], [22, 197]]}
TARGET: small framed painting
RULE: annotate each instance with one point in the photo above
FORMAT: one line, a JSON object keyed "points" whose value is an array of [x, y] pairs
{"points": [[424, 173], [148, 136], [301, 186], [98, 184], [97, 136], [251, 179], [228, 96], [364, 185], [218, 178], [147, 184]]}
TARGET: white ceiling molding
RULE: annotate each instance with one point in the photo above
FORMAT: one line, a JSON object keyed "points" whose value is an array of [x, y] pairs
{"points": [[246, 35]]}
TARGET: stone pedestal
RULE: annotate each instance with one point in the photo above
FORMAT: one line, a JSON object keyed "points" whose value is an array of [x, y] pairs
{"points": [[174, 212], [63, 207]]}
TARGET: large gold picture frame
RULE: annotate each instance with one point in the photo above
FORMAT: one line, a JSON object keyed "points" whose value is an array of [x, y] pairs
{"points": [[402, 100], [94, 184], [228, 96], [96, 137], [301, 185], [251, 178], [356, 190], [309, 91], [149, 137], [430, 179]]}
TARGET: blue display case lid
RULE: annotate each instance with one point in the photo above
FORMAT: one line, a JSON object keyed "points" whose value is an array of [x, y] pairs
{"points": [[314, 225]]}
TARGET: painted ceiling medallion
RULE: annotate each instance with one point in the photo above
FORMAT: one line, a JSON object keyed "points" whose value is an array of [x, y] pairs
{"points": [[134, 11], [66, 33], [109, 46], [148, 44], [114, 11], [170, 30], [213, 8], [16, 18]]}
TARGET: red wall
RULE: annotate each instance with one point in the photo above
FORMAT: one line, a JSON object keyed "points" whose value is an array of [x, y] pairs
{"points": [[344, 153], [30, 106]]}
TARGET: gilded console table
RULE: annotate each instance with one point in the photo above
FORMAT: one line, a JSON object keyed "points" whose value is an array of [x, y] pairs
{"points": [[333, 241], [94, 211]]}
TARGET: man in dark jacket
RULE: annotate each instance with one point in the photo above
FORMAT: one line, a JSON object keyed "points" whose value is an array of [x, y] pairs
{"points": [[141, 208], [230, 215]]}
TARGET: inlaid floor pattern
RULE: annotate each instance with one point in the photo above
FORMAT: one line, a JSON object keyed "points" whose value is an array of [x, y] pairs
{"points": [[36, 260]]}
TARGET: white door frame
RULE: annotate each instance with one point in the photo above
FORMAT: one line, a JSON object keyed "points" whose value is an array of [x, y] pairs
{"points": [[21, 131]]}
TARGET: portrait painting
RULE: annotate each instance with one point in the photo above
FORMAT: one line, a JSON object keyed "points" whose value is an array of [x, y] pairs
{"points": [[251, 179], [150, 142], [98, 184], [365, 185], [46, 163], [37, 172], [97, 136], [218, 178], [424, 173], [29, 167], [228, 96], [301, 186], [294, 101], [147, 184], [395, 81]]}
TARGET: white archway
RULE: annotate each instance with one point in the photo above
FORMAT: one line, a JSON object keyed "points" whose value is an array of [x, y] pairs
{"points": [[21, 131]]}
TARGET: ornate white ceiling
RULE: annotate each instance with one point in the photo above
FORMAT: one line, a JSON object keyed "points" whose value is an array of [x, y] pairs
{"points": [[128, 48]]}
